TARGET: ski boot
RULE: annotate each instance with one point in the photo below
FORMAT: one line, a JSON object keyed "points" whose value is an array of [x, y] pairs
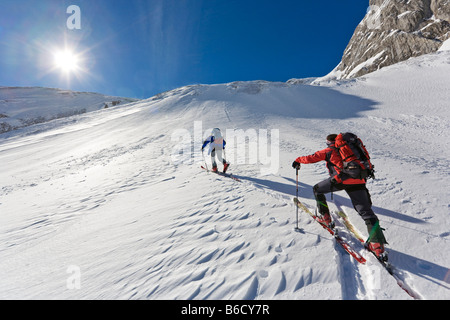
{"points": [[378, 249], [325, 219], [376, 240], [225, 167]]}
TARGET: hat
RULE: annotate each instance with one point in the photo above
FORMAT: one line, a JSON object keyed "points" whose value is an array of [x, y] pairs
{"points": [[331, 137], [216, 133]]}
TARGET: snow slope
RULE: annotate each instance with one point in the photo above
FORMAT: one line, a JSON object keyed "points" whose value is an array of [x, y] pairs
{"points": [[24, 106], [105, 205]]}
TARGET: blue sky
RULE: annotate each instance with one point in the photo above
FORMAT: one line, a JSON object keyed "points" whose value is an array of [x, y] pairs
{"points": [[138, 48]]}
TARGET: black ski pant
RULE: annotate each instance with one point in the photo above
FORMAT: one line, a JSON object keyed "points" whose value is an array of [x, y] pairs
{"points": [[358, 193]]}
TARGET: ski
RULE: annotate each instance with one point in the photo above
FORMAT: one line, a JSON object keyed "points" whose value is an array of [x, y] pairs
{"points": [[344, 244], [228, 175], [387, 265], [350, 227]]}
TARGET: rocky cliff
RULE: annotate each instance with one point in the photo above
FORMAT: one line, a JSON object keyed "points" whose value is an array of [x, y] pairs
{"points": [[394, 31]]}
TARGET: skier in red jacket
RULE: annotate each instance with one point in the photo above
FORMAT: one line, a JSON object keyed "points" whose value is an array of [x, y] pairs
{"points": [[355, 188]]}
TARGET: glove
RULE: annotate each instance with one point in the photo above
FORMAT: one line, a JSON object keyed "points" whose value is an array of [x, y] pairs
{"points": [[371, 174], [296, 165], [336, 180]]}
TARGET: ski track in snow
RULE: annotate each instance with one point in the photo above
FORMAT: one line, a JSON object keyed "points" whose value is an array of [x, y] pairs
{"points": [[104, 192]]}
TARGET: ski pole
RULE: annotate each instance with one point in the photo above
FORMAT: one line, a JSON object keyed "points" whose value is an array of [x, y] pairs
{"points": [[296, 196], [206, 165]]}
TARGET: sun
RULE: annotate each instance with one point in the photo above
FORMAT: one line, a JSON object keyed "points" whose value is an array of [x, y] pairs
{"points": [[66, 61]]}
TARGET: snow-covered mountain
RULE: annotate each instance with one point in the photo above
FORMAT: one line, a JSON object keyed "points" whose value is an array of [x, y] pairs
{"points": [[24, 106], [393, 31], [112, 204]]}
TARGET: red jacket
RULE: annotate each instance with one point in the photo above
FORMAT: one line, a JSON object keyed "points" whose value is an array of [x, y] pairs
{"points": [[334, 164]]}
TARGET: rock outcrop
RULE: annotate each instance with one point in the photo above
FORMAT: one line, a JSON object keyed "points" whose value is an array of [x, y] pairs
{"points": [[393, 31]]}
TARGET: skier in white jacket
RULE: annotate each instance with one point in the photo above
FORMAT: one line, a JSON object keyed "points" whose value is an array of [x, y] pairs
{"points": [[216, 147]]}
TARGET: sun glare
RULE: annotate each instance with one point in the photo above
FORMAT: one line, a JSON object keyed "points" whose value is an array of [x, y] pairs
{"points": [[66, 60]]}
